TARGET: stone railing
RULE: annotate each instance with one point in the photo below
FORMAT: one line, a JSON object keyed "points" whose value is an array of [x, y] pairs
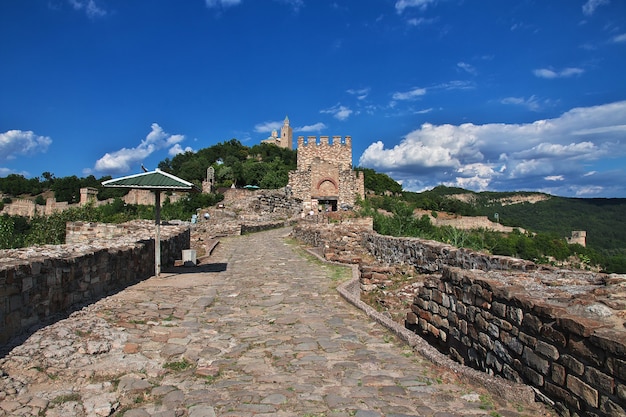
{"points": [[38, 284], [559, 331]]}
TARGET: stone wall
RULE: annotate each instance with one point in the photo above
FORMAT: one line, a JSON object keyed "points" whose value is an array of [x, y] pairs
{"points": [[431, 256], [561, 331], [530, 329], [40, 283]]}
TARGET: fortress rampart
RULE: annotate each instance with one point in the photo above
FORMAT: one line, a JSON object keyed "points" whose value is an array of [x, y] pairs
{"points": [[40, 283], [560, 331]]}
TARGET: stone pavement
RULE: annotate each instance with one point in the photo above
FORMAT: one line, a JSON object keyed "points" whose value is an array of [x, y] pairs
{"points": [[259, 331]]}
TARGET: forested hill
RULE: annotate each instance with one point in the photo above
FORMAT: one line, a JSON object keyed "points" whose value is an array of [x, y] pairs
{"points": [[604, 219]]}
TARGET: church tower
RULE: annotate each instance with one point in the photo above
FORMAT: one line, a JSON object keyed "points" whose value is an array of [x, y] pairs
{"points": [[286, 135]]}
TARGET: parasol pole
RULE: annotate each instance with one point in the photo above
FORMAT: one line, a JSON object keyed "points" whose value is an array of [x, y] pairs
{"points": [[157, 239]]}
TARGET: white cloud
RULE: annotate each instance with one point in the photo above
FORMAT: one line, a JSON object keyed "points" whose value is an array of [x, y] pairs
{"points": [[532, 103], [14, 143], [176, 149], [591, 5], [91, 9], [338, 111], [619, 38], [409, 95], [360, 94], [564, 73], [222, 3], [296, 5], [420, 4], [424, 111], [589, 191], [319, 126], [508, 156], [420, 21], [123, 160], [467, 68], [267, 127]]}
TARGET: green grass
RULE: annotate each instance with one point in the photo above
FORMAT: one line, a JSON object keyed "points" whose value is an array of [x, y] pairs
{"points": [[178, 365], [66, 398]]}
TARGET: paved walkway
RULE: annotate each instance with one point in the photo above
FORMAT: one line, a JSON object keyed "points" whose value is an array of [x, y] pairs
{"points": [[261, 331]]}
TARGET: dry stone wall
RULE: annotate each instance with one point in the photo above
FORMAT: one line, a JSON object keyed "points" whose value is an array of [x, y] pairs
{"points": [[431, 256], [560, 331], [40, 283], [537, 328]]}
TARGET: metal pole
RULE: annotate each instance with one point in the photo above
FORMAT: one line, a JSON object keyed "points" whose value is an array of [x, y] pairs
{"points": [[157, 239]]}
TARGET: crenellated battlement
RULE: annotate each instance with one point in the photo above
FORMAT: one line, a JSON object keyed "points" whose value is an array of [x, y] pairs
{"points": [[337, 151], [324, 140]]}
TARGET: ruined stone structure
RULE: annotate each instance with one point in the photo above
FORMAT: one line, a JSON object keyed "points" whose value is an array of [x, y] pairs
{"points": [[578, 236], [325, 176], [28, 208], [286, 136]]}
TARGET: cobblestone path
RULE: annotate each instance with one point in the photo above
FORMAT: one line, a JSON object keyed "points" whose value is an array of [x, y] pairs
{"points": [[260, 331]]}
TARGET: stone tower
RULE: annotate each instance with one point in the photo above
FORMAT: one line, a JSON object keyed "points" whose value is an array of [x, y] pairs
{"points": [[325, 178], [286, 136]]}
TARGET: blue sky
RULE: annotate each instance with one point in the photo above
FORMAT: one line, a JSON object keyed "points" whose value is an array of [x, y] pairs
{"points": [[498, 95]]}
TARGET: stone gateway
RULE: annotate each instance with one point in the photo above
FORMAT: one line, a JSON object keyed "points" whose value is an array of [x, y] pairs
{"points": [[324, 179]]}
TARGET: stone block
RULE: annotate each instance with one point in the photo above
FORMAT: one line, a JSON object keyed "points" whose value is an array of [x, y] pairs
{"points": [[527, 340], [547, 350], [531, 324], [572, 364], [558, 393], [610, 340], [533, 377], [583, 349], [501, 351], [535, 361], [587, 393], [579, 326], [558, 374], [499, 309], [514, 315], [553, 336], [599, 380], [617, 368], [493, 330], [485, 340], [612, 409]]}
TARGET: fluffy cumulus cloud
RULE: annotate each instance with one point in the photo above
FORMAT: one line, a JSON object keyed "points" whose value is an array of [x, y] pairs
{"points": [[125, 159], [14, 143], [565, 155]]}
